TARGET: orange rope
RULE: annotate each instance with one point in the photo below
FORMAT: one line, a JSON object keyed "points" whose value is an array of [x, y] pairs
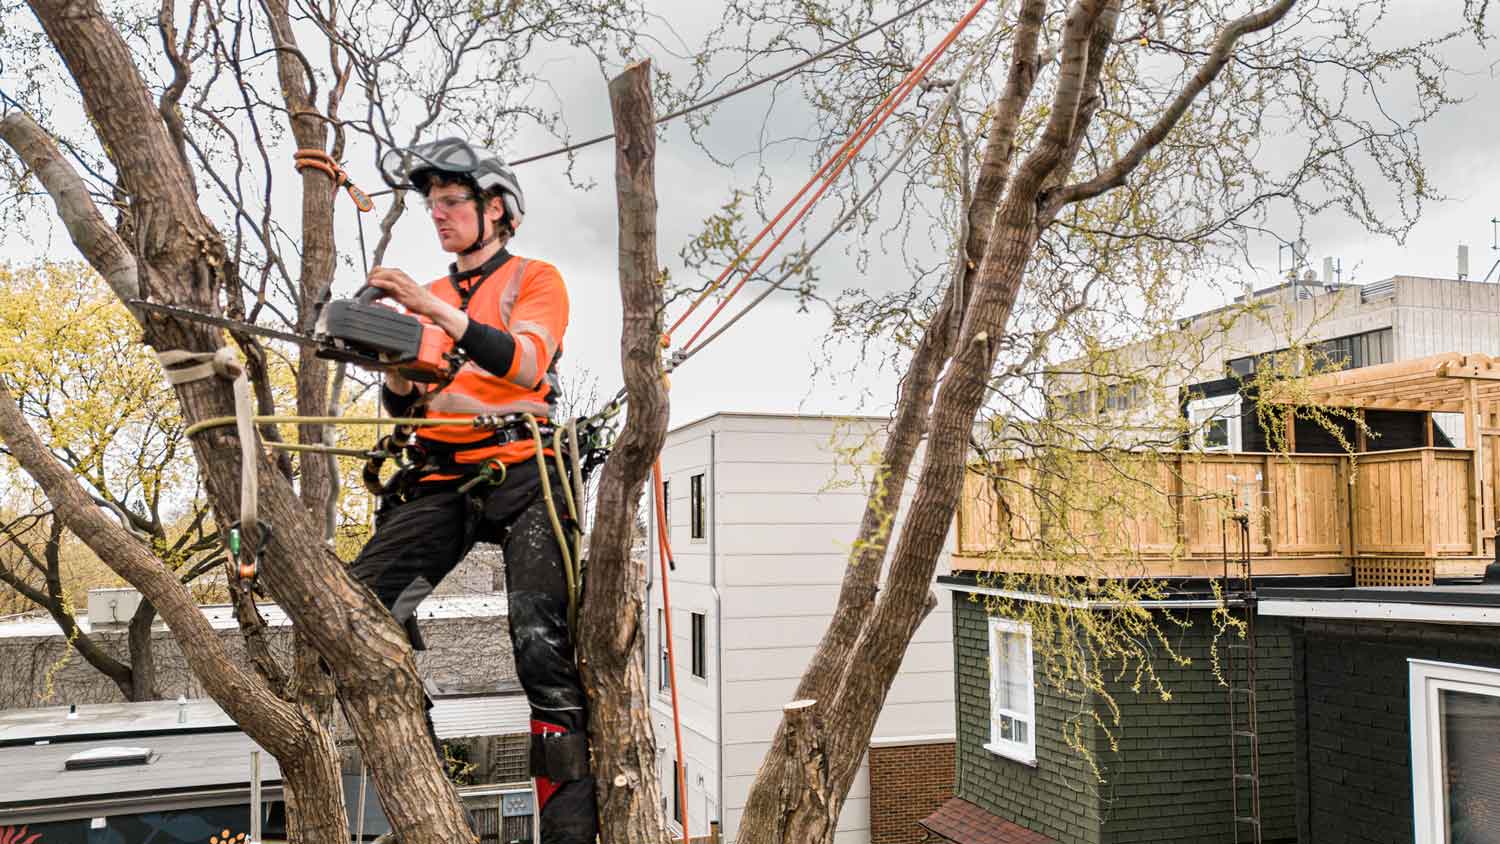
{"points": [[665, 546], [320, 160], [838, 161]]}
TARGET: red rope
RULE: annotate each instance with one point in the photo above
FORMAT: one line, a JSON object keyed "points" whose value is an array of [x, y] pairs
{"points": [[838, 161], [664, 544]]}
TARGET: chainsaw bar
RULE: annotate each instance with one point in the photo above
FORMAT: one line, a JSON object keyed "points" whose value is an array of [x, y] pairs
{"points": [[224, 322]]}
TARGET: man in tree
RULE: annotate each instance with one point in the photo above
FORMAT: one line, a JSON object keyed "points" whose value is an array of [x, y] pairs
{"points": [[506, 315]]}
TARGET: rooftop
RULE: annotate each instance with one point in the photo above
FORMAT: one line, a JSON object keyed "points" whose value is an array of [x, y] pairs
{"points": [[33, 776], [221, 616], [495, 712]]}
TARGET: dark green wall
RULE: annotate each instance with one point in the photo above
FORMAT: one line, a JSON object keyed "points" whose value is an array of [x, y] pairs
{"points": [[1057, 797], [1357, 733], [1169, 779]]}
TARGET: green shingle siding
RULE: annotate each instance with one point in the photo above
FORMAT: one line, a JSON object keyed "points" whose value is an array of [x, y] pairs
{"points": [[1169, 780], [1057, 797]]}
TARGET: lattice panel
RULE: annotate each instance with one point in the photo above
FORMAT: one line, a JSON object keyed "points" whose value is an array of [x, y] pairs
{"points": [[1393, 571]]}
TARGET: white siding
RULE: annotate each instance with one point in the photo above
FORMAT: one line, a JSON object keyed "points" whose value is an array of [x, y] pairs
{"points": [[785, 497]]}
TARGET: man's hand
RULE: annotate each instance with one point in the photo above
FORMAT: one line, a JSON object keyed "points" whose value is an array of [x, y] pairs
{"points": [[419, 300]]}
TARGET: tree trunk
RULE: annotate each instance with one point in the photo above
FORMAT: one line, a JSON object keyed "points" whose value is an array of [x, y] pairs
{"points": [[142, 655], [319, 251], [184, 262], [620, 731]]}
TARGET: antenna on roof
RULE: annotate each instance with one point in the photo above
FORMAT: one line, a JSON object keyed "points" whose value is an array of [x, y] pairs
{"points": [[1494, 246], [1333, 270]]}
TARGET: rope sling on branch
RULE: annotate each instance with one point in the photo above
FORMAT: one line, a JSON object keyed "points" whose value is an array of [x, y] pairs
{"points": [[597, 425]]}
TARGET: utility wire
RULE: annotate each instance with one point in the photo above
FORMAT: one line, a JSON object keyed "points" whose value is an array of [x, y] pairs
{"points": [[849, 215], [752, 84]]}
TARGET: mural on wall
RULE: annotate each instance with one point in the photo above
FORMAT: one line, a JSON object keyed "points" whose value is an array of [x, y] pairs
{"points": [[18, 835], [211, 825]]}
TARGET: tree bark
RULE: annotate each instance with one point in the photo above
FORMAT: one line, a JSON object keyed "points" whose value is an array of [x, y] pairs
{"points": [[142, 655], [620, 730], [319, 251]]}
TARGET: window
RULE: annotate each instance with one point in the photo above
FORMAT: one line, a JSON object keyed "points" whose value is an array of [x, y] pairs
{"points": [[1216, 423], [680, 776], [696, 505], [1454, 747], [663, 660], [1012, 691], [700, 650]]}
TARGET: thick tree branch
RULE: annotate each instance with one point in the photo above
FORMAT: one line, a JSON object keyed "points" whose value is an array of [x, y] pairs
{"points": [[267, 720], [1115, 174], [90, 232]]}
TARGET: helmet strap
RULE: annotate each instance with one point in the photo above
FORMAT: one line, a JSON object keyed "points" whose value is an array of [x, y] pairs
{"points": [[481, 241]]}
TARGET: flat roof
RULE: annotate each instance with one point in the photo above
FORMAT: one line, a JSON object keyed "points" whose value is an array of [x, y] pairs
{"points": [[221, 616], [34, 776], [102, 721], [1454, 603], [498, 712], [748, 414]]}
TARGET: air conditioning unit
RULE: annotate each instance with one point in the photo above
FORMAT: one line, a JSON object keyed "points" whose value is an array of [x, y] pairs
{"points": [[112, 606]]}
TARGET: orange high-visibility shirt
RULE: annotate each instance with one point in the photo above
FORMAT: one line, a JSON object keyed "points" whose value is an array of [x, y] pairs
{"points": [[527, 299]]}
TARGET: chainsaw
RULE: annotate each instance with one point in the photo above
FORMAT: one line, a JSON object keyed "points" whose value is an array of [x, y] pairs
{"points": [[358, 331]]}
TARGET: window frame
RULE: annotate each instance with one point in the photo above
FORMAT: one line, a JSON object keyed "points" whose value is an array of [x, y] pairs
{"points": [[1023, 752], [698, 510], [1204, 412], [698, 626], [1428, 679]]}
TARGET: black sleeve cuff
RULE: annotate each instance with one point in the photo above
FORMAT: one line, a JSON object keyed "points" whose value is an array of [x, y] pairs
{"points": [[489, 347], [397, 404]]}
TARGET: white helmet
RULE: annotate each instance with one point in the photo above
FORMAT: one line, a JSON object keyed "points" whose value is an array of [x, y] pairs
{"points": [[414, 168]]}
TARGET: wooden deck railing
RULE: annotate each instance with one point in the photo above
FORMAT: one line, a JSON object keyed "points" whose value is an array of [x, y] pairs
{"points": [[1307, 513]]}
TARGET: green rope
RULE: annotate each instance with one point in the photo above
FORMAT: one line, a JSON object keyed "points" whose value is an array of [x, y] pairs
{"points": [[221, 421], [557, 528]]}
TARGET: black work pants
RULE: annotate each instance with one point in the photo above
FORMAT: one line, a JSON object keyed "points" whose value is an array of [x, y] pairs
{"points": [[419, 541]]}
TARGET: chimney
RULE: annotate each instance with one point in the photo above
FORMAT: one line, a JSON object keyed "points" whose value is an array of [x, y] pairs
{"points": [[1463, 261]]}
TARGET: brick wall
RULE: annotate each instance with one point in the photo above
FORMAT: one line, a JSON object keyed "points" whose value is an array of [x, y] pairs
{"points": [[1057, 796], [1355, 741], [907, 783], [1169, 780]]}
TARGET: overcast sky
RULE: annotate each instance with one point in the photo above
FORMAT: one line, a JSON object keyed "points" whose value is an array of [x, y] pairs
{"points": [[768, 362]]}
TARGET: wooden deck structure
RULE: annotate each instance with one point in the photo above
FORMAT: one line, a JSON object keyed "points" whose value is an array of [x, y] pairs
{"points": [[1397, 517]]}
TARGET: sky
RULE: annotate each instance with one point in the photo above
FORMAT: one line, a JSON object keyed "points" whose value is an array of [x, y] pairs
{"points": [[775, 361]]}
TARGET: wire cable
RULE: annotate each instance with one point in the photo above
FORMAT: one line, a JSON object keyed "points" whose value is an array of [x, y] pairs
{"points": [[911, 144], [883, 112], [748, 86]]}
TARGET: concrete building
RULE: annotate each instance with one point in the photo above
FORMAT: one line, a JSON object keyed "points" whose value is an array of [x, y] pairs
{"points": [[762, 511], [1399, 318]]}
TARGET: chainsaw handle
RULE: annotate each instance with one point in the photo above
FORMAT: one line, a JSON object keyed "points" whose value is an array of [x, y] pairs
{"points": [[368, 294]]}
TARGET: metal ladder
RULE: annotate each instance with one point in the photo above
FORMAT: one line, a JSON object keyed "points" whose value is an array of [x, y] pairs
{"points": [[1239, 675]]}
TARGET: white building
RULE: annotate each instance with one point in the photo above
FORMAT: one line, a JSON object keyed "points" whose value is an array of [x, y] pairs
{"points": [[762, 510]]}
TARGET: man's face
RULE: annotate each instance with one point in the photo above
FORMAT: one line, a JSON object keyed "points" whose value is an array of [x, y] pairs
{"points": [[456, 217]]}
